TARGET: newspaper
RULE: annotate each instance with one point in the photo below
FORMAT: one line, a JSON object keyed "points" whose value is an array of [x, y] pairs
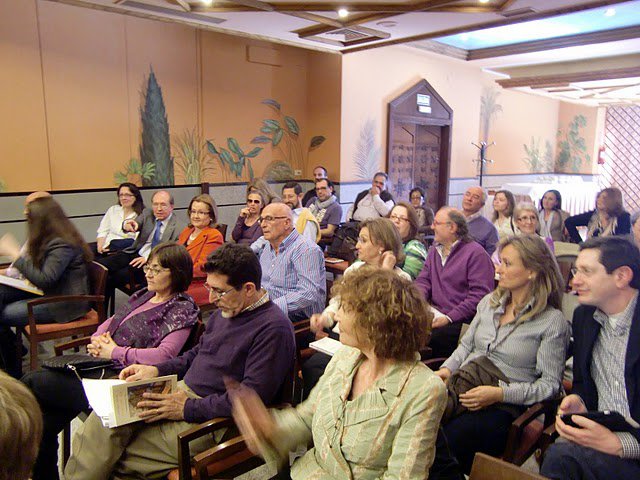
{"points": [[20, 284], [115, 401]]}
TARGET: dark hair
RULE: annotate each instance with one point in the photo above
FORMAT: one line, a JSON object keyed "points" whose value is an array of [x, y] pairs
{"points": [[412, 216], [329, 182], [168, 193], [46, 221], [558, 199], [612, 201], [138, 205], [210, 203], [419, 190], [295, 185], [511, 203], [378, 174], [323, 169], [460, 221], [616, 252], [237, 262], [176, 258]]}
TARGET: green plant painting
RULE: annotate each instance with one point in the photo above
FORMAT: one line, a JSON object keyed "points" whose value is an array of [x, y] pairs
{"points": [[234, 160], [135, 172], [489, 109], [155, 146], [535, 159], [367, 156], [572, 148], [191, 157]]}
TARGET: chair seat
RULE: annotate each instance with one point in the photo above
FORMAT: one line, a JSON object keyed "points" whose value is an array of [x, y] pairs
{"points": [[89, 319]]}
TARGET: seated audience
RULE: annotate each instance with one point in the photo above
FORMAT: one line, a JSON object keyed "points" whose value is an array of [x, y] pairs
{"points": [[200, 238], [606, 366], [376, 410], [373, 203], [154, 226], [418, 197], [405, 219], [511, 356], [457, 274], [151, 328], [503, 206], [20, 429], [55, 261], [480, 229], [260, 185], [319, 173], [247, 229], [247, 339], [111, 236], [292, 269], [551, 216], [304, 221], [609, 217], [327, 210]]}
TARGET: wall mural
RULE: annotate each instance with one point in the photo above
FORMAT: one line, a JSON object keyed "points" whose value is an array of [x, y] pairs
{"points": [[3, 186], [367, 156], [572, 148], [535, 159]]}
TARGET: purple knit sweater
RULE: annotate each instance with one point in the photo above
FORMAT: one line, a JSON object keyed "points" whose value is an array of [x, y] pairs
{"points": [[457, 288], [483, 231]]}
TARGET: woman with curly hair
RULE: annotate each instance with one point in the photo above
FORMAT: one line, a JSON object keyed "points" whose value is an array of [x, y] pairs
{"points": [[376, 410]]}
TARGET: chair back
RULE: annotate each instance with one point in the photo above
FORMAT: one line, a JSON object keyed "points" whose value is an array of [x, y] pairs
{"points": [[490, 468], [222, 228], [97, 278], [194, 337]]}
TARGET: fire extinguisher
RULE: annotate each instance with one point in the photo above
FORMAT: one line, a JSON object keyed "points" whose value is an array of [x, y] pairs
{"points": [[601, 155]]}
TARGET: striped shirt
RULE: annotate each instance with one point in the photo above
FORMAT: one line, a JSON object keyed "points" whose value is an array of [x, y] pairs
{"points": [[607, 369], [415, 254], [295, 276], [530, 354]]}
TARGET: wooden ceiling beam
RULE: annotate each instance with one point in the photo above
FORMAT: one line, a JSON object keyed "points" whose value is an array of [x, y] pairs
{"points": [[564, 79], [255, 4], [557, 42]]}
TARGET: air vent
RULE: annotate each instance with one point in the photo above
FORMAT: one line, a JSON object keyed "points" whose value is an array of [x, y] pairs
{"points": [[348, 34], [518, 12]]}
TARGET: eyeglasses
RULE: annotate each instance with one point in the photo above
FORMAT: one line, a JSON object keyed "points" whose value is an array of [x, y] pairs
{"points": [[582, 271], [253, 201], [398, 217], [198, 212], [436, 224], [215, 292], [125, 195], [270, 219], [160, 205], [531, 218], [153, 271]]}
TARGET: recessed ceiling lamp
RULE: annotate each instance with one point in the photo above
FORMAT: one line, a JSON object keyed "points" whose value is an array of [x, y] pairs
{"points": [[207, 3], [343, 13], [483, 1], [610, 12]]}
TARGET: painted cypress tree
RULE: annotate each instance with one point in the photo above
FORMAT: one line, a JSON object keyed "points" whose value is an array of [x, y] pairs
{"points": [[155, 147]]}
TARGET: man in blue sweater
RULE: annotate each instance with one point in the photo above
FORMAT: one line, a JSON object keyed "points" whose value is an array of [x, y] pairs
{"points": [[248, 339]]}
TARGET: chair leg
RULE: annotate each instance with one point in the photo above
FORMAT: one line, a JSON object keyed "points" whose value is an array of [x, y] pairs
{"points": [[33, 353], [19, 331]]}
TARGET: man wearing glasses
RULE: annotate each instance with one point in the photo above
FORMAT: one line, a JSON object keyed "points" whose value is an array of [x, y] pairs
{"points": [[326, 209], [319, 173], [606, 367], [248, 340], [373, 203], [292, 268]]}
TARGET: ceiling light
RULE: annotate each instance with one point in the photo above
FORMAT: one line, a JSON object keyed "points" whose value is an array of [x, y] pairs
{"points": [[343, 13], [464, 37], [207, 3], [484, 1], [610, 12]]}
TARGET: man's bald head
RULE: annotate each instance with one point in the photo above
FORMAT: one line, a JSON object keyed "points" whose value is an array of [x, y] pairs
{"points": [[277, 223], [473, 200]]}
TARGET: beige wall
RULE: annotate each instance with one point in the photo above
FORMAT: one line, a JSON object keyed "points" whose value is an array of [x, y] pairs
{"points": [[591, 133]]}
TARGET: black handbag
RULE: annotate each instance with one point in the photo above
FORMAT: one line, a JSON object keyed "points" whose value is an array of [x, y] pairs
{"points": [[76, 362], [344, 241]]}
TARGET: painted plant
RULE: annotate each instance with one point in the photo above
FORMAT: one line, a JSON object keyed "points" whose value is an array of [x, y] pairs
{"points": [[191, 157], [535, 159], [572, 147], [135, 173], [489, 109], [234, 160], [367, 156]]}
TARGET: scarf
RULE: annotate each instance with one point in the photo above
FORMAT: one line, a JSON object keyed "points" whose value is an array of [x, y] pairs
{"points": [[319, 208], [595, 228]]}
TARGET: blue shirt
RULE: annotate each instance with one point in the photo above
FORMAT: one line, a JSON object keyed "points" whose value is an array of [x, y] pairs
{"points": [[295, 276]]}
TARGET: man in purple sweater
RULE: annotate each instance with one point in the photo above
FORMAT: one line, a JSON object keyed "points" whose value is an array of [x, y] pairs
{"points": [[456, 275], [248, 339]]}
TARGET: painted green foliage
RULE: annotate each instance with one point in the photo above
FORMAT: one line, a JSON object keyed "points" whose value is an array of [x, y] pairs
{"points": [[155, 147], [135, 172], [234, 159], [489, 108], [367, 153], [191, 157], [572, 148], [535, 159]]}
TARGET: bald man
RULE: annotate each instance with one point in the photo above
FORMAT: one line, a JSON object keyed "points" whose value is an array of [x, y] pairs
{"points": [[292, 268], [480, 228]]}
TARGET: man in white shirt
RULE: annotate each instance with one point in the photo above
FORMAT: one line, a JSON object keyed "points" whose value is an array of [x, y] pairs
{"points": [[373, 203], [303, 220]]}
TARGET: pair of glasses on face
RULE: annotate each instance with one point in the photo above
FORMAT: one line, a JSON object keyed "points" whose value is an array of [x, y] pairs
{"points": [[153, 271], [253, 201], [199, 213], [125, 195], [216, 292], [528, 219], [398, 217], [269, 219]]}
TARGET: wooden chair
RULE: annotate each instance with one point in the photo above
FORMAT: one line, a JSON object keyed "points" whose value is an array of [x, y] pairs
{"points": [[490, 468], [85, 325]]}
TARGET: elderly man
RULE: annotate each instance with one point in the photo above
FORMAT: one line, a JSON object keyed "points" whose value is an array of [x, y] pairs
{"points": [[606, 366], [304, 221], [155, 226], [456, 275], [373, 203], [319, 173], [326, 209], [480, 228], [247, 339], [292, 269]]}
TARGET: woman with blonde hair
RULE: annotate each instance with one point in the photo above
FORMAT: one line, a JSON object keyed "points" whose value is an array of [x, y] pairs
{"points": [[514, 350], [375, 412], [609, 217]]}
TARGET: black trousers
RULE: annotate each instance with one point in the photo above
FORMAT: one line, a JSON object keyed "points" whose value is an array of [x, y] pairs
{"points": [[312, 370], [118, 266], [444, 340]]}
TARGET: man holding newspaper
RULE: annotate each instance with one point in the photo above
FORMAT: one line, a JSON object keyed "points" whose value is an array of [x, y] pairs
{"points": [[248, 339]]}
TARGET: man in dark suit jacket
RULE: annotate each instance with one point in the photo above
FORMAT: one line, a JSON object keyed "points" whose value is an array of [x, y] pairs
{"points": [[606, 362], [156, 226]]}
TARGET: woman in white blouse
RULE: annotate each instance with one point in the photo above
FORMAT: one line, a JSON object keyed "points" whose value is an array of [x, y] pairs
{"points": [[130, 205], [503, 205]]}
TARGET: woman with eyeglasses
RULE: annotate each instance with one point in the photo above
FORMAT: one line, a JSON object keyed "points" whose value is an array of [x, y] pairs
{"points": [[425, 214], [200, 239], [526, 219], [405, 219], [375, 412], [111, 237], [551, 216], [247, 229], [150, 328]]}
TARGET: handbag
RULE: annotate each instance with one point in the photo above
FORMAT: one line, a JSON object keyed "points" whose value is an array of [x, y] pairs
{"points": [[76, 362], [344, 241]]}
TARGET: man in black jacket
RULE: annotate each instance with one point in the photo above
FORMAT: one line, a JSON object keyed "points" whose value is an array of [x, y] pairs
{"points": [[606, 331]]}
